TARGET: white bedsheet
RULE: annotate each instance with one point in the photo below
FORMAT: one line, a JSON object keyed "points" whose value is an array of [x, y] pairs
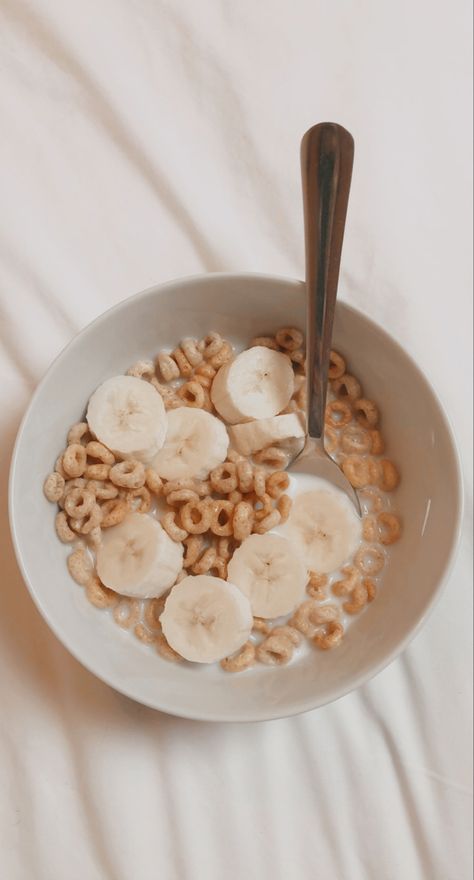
{"points": [[147, 139]]}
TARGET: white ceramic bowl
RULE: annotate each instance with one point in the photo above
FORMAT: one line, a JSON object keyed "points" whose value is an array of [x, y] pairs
{"points": [[419, 439]]}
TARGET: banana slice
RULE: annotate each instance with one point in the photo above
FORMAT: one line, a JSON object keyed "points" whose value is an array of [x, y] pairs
{"points": [[128, 416], [270, 573], [325, 527], [196, 442], [250, 437], [206, 618], [257, 384], [137, 558]]}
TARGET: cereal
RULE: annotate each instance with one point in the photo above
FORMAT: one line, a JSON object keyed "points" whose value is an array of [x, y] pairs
{"points": [[244, 658], [244, 476], [80, 566], [193, 546], [153, 481], [272, 456], [103, 490], [369, 560], [79, 502], [144, 635], [181, 496], [359, 471], [99, 595], [374, 499], [370, 588], [389, 479], [358, 600], [206, 561], [204, 381], [192, 394], [185, 368], [177, 485], [265, 341], [277, 483], [95, 537], [219, 568], [369, 528], [311, 615], [90, 521], [284, 506], [166, 651], [389, 528], [206, 371], [221, 518], [355, 439], [263, 507], [366, 413], [153, 610], [168, 367], [316, 586], [330, 637], [74, 460], [168, 521], [274, 650], [213, 343], [337, 366], [270, 522], [225, 547], [261, 626], [191, 352], [235, 497], [378, 444], [289, 338], [126, 612], [196, 517], [77, 433], [288, 632], [58, 467], [97, 450], [224, 478], [130, 474], [347, 387], [222, 357], [242, 521], [53, 487], [338, 414], [97, 471], [113, 512], [259, 481], [297, 356], [142, 370], [64, 533]]}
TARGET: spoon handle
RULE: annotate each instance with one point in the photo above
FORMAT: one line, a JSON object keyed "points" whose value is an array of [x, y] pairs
{"points": [[327, 154]]}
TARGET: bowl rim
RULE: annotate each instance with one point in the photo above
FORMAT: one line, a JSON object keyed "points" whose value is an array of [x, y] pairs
{"points": [[257, 714]]}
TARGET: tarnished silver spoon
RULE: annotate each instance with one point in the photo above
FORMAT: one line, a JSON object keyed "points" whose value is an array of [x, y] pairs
{"points": [[327, 154]]}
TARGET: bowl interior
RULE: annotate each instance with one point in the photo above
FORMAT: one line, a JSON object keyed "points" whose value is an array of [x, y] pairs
{"points": [[418, 439]]}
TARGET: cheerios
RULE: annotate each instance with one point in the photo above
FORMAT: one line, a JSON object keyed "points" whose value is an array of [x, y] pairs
{"points": [[284, 506], [370, 588], [370, 528], [310, 615], [337, 366], [355, 439], [142, 370], [288, 632], [102, 489], [277, 483], [242, 520], [274, 650], [222, 357], [221, 518], [207, 560], [259, 481], [126, 612], [80, 566], [389, 478], [97, 450], [185, 368], [90, 521], [389, 528], [347, 387], [235, 497], [79, 502], [153, 611], [330, 637], [191, 352], [244, 659], [58, 467], [261, 626], [366, 413], [196, 517], [213, 343], [144, 635], [224, 478], [378, 443], [97, 471], [265, 342], [369, 560], [168, 521], [79, 432], [99, 595], [331, 440], [372, 498], [289, 338], [317, 586], [166, 651], [206, 370], [192, 394], [272, 457], [262, 506], [64, 533], [168, 367], [114, 512], [225, 547], [193, 546], [338, 414], [219, 568], [270, 522], [53, 487], [129, 474], [74, 460], [358, 470], [357, 601], [181, 496], [244, 476]]}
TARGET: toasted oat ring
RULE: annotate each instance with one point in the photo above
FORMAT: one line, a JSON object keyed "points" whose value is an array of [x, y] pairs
{"points": [[274, 650], [261, 626], [259, 481], [166, 651], [144, 635], [370, 530], [99, 595], [74, 460], [76, 483], [53, 487], [90, 521], [80, 566], [337, 366], [79, 502], [142, 370], [95, 537], [331, 440], [330, 636], [389, 478], [191, 352], [297, 356], [244, 658], [347, 387], [97, 450], [130, 474], [213, 343], [270, 522], [206, 561], [102, 489], [244, 476], [97, 472], [153, 610], [168, 367], [374, 499], [235, 497], [192, 393], [204, 381], [176, 485], [316, 586], [369, 560], [185, 368], [221, 518], [356, 439], [168, 521], [277, 483], [126, 612], [265, 342], [64, 533], [288, 632], [219, 567], [289, 338], [207, 371], [284, 506], [371, 588], [224, 478], [338, 414], [193, 546], [114, 512], [225, 548], [222, 357], [77, 433], [234, 456], [242, 521], [181, 496], [310, 615], [357, 470], [366, 413], [260, 512], [196, 517], [357, 601], [378, 444], [272, 456], [389, 528], [153, 481], [58, 467]]}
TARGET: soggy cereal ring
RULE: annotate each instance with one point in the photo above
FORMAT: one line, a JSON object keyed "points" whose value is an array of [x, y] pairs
{"points": [[284, 506], [288, 632], [153, 611], [374, 499], [347, 387], [204, 381], [297, 356], [90, 521], [142, 370], [242, 521], [224, 478], [168, 521], [357, 601], [166, 651], [185, 367], [53, 487], [196, 517], [221, 518], [74, 460], [126, 612], [130, 474], [97, 472], [206, 561], [102, 489], [270, 522], [272, 456], [177, 485], [192, 394], [357, 470], [265, 342], [80, 566], [235, 497], [316, 586], [370, 530], [79, 432], [97, 450], [168, 367], [193, 547], [79, 502], [58, 467], [259, 480], [76, 483], [260, 625], [378, 444], [338, 414], [244, 476], [207, 371], [225, 547], [223, 356], [274, 650], [262, 507], [289, 338], [389, 478], [219, 568], [181, 496], [99, 595], [310, 615], [64, 533], [370, 588], [337, 366], [153, 481], [369, 560], [389, 528], [191, 352], [95, 537], [366, 412], [144, 635], [277, 483], [114, 512], [244, 658], [330, 637], [213, 343], [356, 439]]}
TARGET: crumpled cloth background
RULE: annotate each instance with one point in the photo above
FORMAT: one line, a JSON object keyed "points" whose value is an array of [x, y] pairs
{"points": [[147, 139]]}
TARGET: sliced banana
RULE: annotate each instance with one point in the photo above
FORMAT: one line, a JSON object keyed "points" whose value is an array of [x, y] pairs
{"points": [[206, 618], [196, 442], [325, 527], [250, 437], [270, 573], [128, 416], [257, 384], [137, 558]]}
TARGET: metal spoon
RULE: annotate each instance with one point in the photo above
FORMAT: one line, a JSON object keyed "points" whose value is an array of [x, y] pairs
{"points": [[327, 154]]}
